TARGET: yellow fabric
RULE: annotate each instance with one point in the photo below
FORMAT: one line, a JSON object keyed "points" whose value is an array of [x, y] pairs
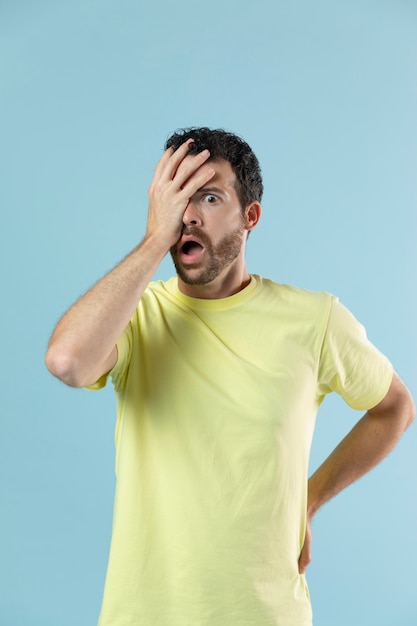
{"points": [[216, 408]]}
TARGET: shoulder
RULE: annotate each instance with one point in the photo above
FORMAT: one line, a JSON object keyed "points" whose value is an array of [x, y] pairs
{"points": [[155, 299], [158, 291], [296, 297], [160, 287]]}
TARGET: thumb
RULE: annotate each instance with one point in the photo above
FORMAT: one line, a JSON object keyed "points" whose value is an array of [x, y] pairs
{"points": [[305, 556]]}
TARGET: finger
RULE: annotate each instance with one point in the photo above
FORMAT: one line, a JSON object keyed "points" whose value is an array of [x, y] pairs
{"points": [[305, 556], [197, 180], [303, 562], [189, 167], [162, 163], [167, 165], [176, 159]]}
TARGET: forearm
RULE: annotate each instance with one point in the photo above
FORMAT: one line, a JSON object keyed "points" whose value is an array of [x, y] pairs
{"points": [[83, 345], [363, 448], [368, 443], [371, 439], [84, 340]]}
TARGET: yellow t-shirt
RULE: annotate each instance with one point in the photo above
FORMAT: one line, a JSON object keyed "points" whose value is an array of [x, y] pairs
{"points": [[216, 408]]}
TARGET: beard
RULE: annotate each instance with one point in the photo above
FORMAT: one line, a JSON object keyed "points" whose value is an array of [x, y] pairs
{"points": [[220, 256]]}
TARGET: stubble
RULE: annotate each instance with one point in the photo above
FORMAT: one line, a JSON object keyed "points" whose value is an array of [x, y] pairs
{"points": [[219, 256]]}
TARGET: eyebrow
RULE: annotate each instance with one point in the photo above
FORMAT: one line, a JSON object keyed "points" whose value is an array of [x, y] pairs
{"points": [[211, 190]]}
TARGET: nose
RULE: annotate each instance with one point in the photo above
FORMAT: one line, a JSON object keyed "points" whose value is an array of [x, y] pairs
{"points": [[192, 216]]}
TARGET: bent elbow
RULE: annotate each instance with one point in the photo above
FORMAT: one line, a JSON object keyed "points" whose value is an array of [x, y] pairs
{"points": [[63, 365], [406, 407], [411, 411]]}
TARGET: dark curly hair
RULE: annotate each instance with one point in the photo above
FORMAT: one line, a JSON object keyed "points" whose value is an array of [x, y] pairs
{"points": [[230, 147]]}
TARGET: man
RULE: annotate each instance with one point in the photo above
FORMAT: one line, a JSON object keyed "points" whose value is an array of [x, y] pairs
{"points": [[219, 375]]}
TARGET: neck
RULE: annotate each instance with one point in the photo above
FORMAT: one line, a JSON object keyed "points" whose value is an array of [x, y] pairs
{"points": [[221, 287]]}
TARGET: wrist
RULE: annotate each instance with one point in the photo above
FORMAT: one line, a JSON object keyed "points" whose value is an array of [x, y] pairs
{"points": [[160, 239], [157, 242], [312, 509]]}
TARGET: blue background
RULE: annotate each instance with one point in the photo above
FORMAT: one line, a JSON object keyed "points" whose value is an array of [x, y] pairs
{"points": [[326, 94]]}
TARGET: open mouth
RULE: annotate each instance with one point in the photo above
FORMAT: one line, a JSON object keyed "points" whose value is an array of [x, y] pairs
{"points": [[191, 251], [191, 247]]}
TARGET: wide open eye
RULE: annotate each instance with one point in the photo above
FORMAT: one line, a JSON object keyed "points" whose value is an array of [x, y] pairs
{"points": [[210, 198]]}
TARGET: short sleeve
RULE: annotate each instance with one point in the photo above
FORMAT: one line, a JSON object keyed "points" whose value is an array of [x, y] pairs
{"points": [[350, 364], [118, 373]]}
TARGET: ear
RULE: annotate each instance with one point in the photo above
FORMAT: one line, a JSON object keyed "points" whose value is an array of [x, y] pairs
{"points": [[252, 215]]}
